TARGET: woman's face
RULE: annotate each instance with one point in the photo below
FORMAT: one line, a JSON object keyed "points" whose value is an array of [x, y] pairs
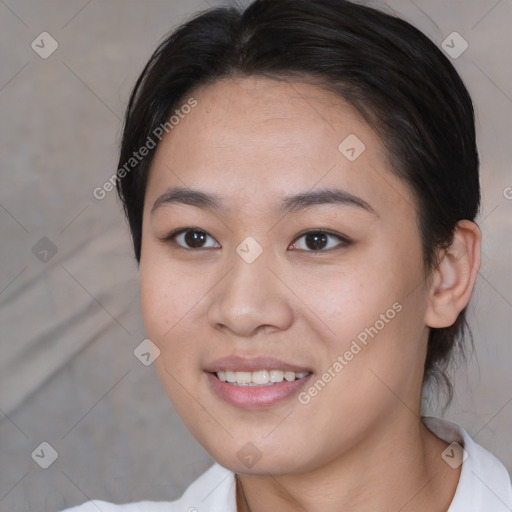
{"points": [[344, 304]]}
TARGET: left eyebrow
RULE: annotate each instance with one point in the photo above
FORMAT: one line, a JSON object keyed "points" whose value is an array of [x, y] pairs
{"points": [[292, 203], [324, 196]]}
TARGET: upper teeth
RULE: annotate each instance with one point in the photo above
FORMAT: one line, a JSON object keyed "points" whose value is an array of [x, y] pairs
{"points": [[259, 377]]}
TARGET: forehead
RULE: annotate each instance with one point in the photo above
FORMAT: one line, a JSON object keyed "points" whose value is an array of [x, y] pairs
{"points": [[257, 138], [276, 113], [268, 98]]}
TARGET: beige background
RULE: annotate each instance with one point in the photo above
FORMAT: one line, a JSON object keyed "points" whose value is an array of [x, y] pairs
{"points": [[69, 325]]}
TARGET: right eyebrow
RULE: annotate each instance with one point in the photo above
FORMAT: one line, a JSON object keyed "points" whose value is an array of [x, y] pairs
{"points": [[181, 195]]}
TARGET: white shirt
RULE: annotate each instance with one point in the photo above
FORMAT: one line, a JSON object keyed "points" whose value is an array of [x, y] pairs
{"points": [[484, 483]]}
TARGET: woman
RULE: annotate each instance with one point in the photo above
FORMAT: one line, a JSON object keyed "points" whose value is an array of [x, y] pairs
{"points": [[301, 183]]}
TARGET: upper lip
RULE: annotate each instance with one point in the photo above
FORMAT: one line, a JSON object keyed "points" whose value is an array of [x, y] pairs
{"points": [[237, 363]]}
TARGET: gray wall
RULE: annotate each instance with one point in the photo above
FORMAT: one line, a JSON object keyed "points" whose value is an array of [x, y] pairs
{"points": [[70, 321]]}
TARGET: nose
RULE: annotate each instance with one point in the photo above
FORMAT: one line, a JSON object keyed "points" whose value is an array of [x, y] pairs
{"points": [[250, 299]]}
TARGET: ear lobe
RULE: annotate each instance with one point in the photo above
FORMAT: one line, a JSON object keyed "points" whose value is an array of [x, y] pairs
{"points": [[453, 281]]}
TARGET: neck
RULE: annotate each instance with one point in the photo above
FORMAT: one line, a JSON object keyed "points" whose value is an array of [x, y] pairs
{"points": [[394, 469]]}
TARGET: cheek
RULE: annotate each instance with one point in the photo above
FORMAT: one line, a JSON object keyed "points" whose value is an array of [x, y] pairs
{"points": [[371, 312], [347, 299], [174, 303], [382, 347], [167, 296], [166, 286], [170, 300]]}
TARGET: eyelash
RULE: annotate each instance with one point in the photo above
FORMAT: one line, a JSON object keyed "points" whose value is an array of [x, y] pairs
{"points": [[344, 241]]}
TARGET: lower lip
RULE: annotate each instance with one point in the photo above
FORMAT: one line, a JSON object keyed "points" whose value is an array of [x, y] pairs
{"points": [[253, 397]]}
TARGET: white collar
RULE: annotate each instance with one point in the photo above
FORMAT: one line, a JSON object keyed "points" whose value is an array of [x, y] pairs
{"points": [[484, 483]]}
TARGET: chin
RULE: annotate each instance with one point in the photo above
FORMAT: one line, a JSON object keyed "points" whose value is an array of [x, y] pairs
{"points": [[263, 466]]}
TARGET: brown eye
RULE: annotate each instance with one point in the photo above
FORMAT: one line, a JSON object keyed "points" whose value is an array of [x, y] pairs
{"points": [[195, 238], [191, 238], [320, 240], [316, 241]]}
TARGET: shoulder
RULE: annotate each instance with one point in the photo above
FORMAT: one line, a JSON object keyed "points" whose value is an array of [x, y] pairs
{"points": [[214, 491], [484, 482]]}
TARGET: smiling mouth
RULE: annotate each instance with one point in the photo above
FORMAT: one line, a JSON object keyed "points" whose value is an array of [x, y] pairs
{"points": [[259, 377]]}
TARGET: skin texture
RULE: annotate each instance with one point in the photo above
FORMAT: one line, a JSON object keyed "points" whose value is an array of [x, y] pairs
{"points": [[359, 444]]}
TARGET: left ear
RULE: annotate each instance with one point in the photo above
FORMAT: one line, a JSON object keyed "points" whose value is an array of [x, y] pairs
{"points": [[452, 283]]}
